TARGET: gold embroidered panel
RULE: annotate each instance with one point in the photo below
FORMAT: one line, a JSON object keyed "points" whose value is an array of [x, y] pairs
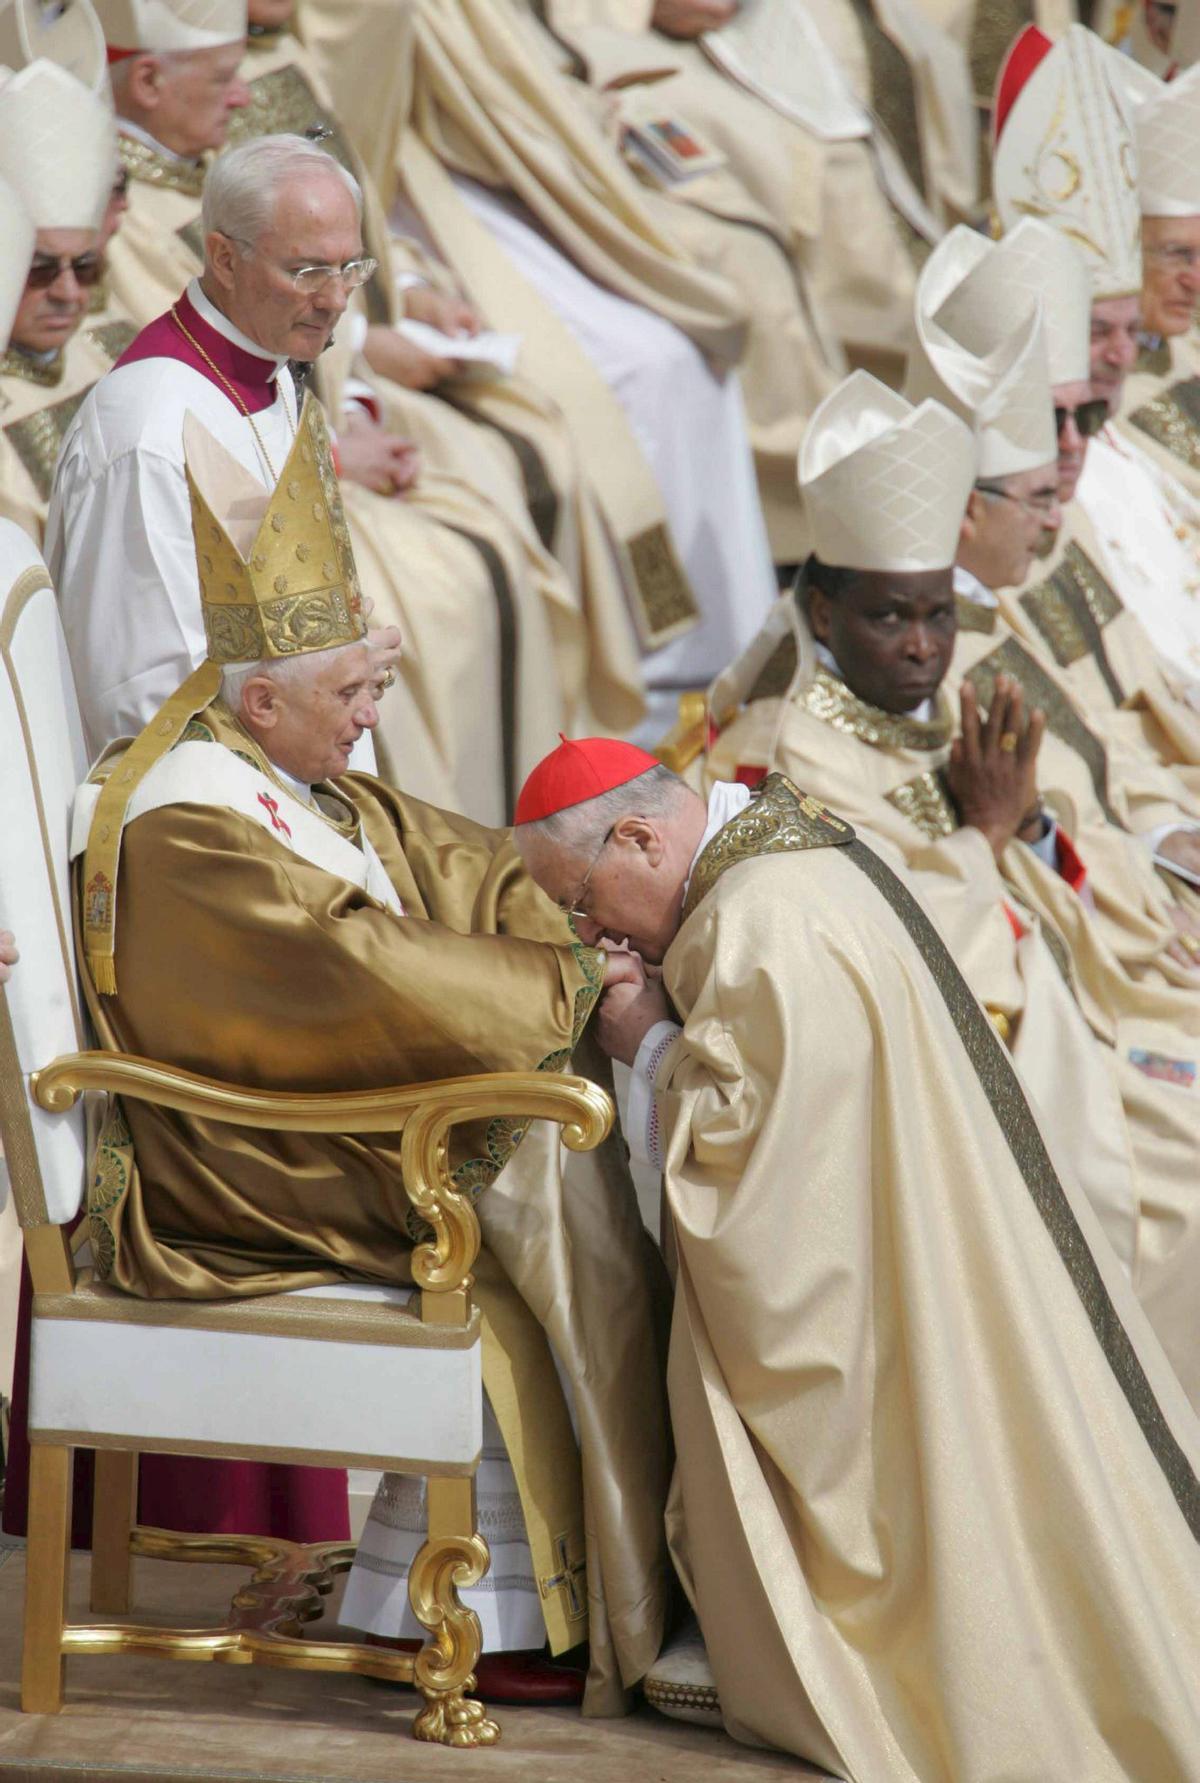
{"points": [[995, 25], [112, 338], [893, 93], [925, 801], [141, 162], [1040, 689], [974, 616], [283, 102], [667, 601], [37, 438], [1172, 420], [832, 702], [780, 819], [775, 676], [1153, 362], [1070, 610], [46, 372]]}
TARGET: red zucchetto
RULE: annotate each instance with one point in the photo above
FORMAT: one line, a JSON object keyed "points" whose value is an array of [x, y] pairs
{"points": [[577, 771]]}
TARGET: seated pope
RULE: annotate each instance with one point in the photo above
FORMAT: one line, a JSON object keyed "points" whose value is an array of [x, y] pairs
{"points": [[251, 912], [936, 1497]]}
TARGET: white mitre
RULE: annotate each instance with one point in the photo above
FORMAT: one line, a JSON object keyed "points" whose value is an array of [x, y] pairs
{"points": [[163, 25], [58, 146], [999, 282], [17, 238], [68, 33], [1167, 126], [1000, 384], [1066, 152], [885, 485]]}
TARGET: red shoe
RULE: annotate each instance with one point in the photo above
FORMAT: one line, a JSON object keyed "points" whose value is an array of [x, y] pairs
{"points": [[522, 1680]]}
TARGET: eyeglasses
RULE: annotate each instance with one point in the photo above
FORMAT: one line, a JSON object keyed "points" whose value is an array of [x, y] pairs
{"points": [[1177, 256], [1043, 502], [575, 909], [47, 268], [1089, 417], [308, 280]]}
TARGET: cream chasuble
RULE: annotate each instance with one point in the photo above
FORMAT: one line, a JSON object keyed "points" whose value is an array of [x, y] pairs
{"points": [[549, 235], [936, 1500], [490, 435], [1035, 955], [1160, 408], [196, 1209], [39, 396]]}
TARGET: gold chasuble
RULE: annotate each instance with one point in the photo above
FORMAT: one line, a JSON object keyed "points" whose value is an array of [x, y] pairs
{"points": [[937, 1503], [38, 400]]}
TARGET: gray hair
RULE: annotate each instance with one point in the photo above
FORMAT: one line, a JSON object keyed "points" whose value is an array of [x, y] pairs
{"points": [[242, 186], [234, 675], [581, 829]]}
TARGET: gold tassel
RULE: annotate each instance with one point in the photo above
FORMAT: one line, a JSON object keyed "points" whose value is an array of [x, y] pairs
{"points": [[103, 968]]}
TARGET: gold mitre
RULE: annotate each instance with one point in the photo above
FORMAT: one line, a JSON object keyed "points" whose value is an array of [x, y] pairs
{"points": [[885, 484], [58, 146], [1000, 384], [68, 33], [1065, 151], [999, 282], [163, 25], [277, 575], [18, 235]]}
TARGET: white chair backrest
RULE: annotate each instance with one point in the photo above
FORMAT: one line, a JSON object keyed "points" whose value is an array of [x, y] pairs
{"points": [[42, 761]]}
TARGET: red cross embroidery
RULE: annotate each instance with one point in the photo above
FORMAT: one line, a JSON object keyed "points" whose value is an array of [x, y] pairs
{"points": [[271, 807]]}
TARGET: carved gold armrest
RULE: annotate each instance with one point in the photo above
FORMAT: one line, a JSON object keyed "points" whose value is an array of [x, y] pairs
{"points": [[687, 736], [423, 1112]]}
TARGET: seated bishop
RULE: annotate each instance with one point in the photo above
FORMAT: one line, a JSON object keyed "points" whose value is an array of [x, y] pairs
{"points": [[846, 693], [936, 1496], [340, 935]]}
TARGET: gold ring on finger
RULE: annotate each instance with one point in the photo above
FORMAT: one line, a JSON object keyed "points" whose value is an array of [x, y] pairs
{"points": [[1191, 944], [1008, 741]]}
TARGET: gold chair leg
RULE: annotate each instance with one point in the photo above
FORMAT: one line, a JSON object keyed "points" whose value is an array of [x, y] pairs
{"points": [[114, 1512], [454, 1555], [46, 1579]]}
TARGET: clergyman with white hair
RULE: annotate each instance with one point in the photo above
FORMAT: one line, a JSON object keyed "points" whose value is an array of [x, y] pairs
{"points": [[251, 911], [936, 1483], [119, 536]]}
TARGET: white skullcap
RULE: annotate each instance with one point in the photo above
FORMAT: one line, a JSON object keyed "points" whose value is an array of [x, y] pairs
{"points": [[58, 146], [164, 25], [1066, 151], [885, 484], [17, 236], [1000, 384]]}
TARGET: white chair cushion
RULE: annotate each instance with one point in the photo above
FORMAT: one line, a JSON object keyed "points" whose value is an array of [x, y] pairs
{"points": [[680, 1682], [340, 1374]]}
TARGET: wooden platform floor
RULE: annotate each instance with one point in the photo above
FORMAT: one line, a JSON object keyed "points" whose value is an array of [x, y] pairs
{"points": [[168, 1722]]}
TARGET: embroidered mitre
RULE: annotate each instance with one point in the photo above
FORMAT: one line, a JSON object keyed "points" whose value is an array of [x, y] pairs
{"points": [[163, 25], [1065, 151], [58, 146], [1167, 126], [1001, 389], [277, 575], [990, 285], [885, 484]]}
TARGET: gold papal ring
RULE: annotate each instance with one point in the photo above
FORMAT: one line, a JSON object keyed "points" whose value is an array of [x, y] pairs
{"points": [[1190, 944], [388, 678], [1008, 741]]}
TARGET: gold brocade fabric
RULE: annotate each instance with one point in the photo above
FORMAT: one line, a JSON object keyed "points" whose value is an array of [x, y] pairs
{"points": [[828, 698], [46, 372], [141, 162], [893, 93], [892, 1302]]}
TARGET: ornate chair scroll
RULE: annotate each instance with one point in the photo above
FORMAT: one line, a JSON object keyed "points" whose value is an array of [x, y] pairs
{"points": [[397, 1379]]}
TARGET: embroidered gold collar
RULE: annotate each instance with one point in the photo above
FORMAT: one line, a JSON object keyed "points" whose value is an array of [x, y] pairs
{"points": [[832, 702], [154, 168], [46, 372], [780, 819]]}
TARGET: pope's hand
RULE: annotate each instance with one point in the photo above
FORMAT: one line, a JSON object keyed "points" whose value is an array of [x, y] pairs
{"points": [[622, 965], [992, 770], [1185, 949], [626, 1015], [8, 954], [371, 455], [453, 315], [387, 647], [688, 18], [397, 359]]}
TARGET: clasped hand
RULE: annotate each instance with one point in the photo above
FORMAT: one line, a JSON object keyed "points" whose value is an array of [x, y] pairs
{"points": [[992, 772], [632, 1002]]}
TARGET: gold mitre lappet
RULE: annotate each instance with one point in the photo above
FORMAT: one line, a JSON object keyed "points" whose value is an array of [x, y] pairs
{"points": [[163, 25], [277, 579], [1000, 384], [277, 575], [1065, 151], [885, 484]]}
